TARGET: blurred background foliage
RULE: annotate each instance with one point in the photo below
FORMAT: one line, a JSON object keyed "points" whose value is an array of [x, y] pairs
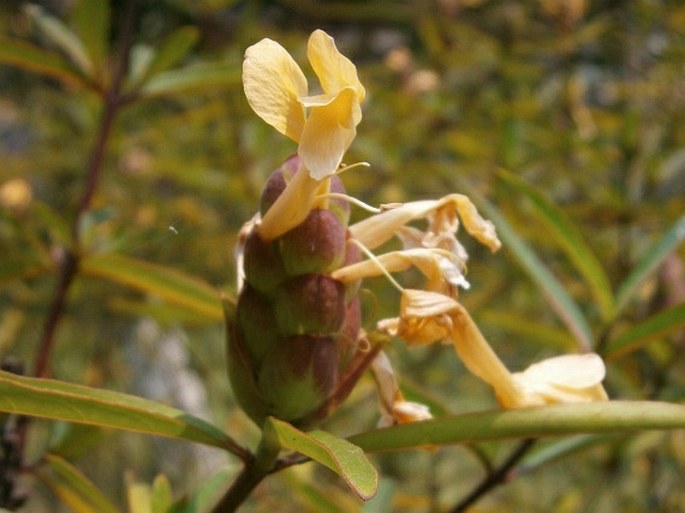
{"points": [[582, 102]]}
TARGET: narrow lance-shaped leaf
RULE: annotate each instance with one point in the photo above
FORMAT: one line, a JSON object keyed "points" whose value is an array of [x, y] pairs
{"points": [[560, 300], [660, 324], [58, 400], [192, 293], [91, 23], [29, 57], [560, 228], [171, 51], [191, 78], [650, 262], [62, 37], [342, 457], [73, 487], [565, 419]]}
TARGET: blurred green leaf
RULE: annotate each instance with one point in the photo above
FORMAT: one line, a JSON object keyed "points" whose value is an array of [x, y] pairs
{"points": [[162, 498], [19, 269], [91, 22], [209, 493], [650, 262], [566, 419], [171, 285], [383, 500], [74, 488], [61, 36], [29, 57], [561, 449], [658, 325], [565, 232], [58, 400], [560, 299], [171, 51], [528, 330], [190, 78], [139, 497], [342, 457]]}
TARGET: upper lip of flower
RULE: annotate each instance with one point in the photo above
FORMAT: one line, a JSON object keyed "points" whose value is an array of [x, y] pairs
{"points": [[324, 125]]}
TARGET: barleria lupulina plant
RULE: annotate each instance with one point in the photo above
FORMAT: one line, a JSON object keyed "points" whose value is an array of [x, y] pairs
{"points": [[296, 347]]}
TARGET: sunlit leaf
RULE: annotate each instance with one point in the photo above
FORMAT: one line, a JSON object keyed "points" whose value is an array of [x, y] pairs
{"points": [[58, 400], [342, 457], [73, 488], [559, 299], [91, 22], [61, 36], [139, 497], [190, 78], [567, 235], [660, 324], [29, 57], [566, 419], [169, 284], [652, 259]]}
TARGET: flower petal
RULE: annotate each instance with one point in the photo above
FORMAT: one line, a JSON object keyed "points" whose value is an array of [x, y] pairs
{"points": [[328, 132], [563, 379], [273, 83], [442, 214], [335, 71]]}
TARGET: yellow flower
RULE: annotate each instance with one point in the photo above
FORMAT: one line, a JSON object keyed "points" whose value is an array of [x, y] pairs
{"points": [[427, 317], [324, 125]]}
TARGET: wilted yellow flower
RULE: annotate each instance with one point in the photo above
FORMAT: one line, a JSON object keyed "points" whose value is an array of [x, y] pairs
{"points": [[436, 252], [427, 317]]}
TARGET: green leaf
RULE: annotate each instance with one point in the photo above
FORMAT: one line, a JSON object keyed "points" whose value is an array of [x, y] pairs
{"points": [[29, 57], [190, 78], [660, 324], [566, 419], [531, 330], [162, 499], [91, 22], [171, 51], [560, 300], [561, 449], [58, 400], [341, 456], [73, 488], [649, 263], [61, 36], [209, 493], [181, 289], [567, 235]]}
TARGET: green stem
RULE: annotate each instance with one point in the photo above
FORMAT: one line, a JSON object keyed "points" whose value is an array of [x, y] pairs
{"points": [[255, 470]]}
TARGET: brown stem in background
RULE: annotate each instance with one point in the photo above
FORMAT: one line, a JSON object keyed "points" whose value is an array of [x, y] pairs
{"points": [[497, 477], [69, 262]]}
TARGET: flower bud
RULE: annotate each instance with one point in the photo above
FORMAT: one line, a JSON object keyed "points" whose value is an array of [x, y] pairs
{"points": [[296, 328]]}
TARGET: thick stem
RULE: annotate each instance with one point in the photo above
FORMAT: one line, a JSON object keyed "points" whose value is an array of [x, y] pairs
{"points": [[254, 471]]}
